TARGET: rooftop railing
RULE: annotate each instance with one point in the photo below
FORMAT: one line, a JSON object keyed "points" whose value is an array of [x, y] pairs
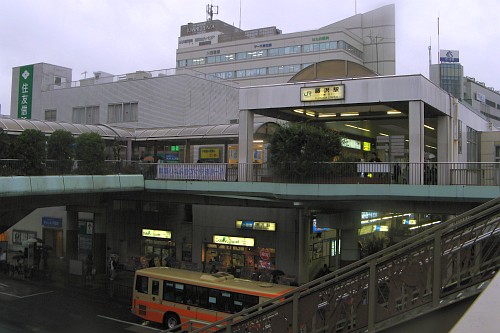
{"points": [[438, 173]]}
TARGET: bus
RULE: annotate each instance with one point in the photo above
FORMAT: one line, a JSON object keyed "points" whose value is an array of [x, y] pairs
{"points": [[171, 296]]}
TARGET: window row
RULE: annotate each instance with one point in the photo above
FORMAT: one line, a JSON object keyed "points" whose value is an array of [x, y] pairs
{"points": [[89, 115], [263, 71], [203, 297], [274, 52]]}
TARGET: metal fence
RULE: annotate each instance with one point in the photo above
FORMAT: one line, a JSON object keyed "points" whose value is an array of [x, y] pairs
{"points": [[437, 173]]}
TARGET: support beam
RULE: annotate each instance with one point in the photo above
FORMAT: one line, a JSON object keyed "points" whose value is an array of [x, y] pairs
{"points": [[416, 145]]}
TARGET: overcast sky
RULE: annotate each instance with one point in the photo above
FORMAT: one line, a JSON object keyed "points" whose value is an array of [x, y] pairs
{"points": [[122, 36]]}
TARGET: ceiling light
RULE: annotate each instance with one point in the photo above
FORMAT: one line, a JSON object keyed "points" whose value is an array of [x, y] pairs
{"points": [[432, 147], [429, 127], [326, 115], [383, 134], [358, 128], [298, 110], [310, 114], [349, 114], [393, 112], [258, 141]]}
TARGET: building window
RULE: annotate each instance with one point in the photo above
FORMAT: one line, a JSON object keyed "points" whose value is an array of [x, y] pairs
{"points": [[123, 112], [50, 115], [472, 145], [86, 115]]}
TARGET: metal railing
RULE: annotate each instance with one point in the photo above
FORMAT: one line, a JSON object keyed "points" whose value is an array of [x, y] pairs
{"points": [[437, 267], [438, 173]]}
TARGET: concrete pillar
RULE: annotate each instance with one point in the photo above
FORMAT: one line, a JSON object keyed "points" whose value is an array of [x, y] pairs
{"points": [[245, 143], [129, 150], [416, 145], [349, 239], [444, 149], [303, 254]]}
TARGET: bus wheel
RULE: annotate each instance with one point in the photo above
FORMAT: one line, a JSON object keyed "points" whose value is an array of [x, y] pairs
{"points": [[171, 320]]}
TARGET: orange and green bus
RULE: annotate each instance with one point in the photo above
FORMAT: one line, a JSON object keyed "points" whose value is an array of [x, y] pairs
{"points": [[171, 296]]}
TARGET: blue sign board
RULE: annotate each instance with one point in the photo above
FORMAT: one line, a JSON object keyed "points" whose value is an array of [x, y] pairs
{"points": [[52, 222]]}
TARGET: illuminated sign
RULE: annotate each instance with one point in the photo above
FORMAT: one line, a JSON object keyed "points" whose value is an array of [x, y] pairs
{"points": [[448, 56], [218, 239], [254, 225], [209, 153], [157, 233], [323, 93], [377, 228], [409, 221], [367, 146], [350, 143]]}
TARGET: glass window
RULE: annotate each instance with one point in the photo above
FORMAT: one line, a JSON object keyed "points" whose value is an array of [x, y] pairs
{"points": [[307, 48], [273, 52], [141, 284], [324, 46], [240, 73], [241, 56], [155, 287], [50, 115], [211, 60], [168, 291], [333, 45], [273, 70]]}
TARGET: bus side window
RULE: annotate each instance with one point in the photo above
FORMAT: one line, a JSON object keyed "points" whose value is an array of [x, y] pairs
{"points": [[227, 304], [203, 296], [214, 299], [141, 284], [179, 293], [168, 291], [155, 287]]}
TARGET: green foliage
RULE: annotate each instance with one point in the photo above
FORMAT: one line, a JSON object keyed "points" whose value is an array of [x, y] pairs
{"points": [[4, 144], [61, 147], [30, 147], [90, 153], [297, 148]]}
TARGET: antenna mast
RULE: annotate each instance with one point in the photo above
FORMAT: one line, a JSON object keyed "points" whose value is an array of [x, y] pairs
{"points": [[211, 11]]}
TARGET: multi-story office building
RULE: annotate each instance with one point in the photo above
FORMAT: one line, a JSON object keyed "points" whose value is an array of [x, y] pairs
{"points": [[267, 56], [449, 75]]}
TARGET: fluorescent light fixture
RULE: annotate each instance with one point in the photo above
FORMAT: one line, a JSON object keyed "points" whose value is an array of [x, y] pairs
{"points": [[429, 127], [393, 112], [383, 134], [432, 147], [258, 141], [326, 115], [298, 110], [349, 114], [310, 114], [358, 128]]}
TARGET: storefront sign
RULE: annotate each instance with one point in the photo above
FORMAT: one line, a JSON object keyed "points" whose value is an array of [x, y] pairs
{"points": [[323, 93], [157, 233], [265, 254], [25, 92], [52, 222], [209, 153], [254, 225], [449, 56], [233, 240]]}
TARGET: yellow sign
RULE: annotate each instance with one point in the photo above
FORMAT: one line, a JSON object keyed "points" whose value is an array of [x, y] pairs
{"points": [[254, 225], [367, 146], [233, 240], [157, 233], [209, 153], [323, 93]]}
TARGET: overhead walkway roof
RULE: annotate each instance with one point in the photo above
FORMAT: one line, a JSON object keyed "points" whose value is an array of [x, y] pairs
{"points": [[223, 131]]}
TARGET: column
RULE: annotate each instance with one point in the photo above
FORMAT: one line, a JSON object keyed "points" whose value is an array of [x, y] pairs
{"points": [[245, 143], [416, 145], [444, 149], [349, 238]]}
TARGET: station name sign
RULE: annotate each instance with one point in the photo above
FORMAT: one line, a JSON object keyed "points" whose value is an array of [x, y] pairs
{"points": [[322, 93]]}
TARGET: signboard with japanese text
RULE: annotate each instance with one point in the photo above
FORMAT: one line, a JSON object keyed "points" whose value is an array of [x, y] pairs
{"points": [[323, 93], [230, 240], [157, 233], [255, 225], [25, 94], [449, 56], [198, 171]]}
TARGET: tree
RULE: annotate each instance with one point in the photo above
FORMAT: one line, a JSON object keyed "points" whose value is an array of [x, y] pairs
{"points": [[4, 144], [89, 152], [30, 147], [297, 148], [61, 147]]}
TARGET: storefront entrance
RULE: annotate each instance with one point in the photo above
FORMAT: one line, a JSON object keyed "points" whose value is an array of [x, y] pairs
{"points": [[159, 252]]}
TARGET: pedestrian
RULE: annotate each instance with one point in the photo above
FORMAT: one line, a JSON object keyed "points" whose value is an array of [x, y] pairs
{"points": [[89, 267], [213, 270], [322, 272], [112, 268]]}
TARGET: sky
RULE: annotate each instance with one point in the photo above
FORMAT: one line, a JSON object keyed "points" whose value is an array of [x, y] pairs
{"points": [[123, 36]]}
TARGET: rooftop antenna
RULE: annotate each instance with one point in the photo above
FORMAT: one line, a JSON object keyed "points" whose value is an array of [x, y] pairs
{"points": [[239, 26], [211, 10]]}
